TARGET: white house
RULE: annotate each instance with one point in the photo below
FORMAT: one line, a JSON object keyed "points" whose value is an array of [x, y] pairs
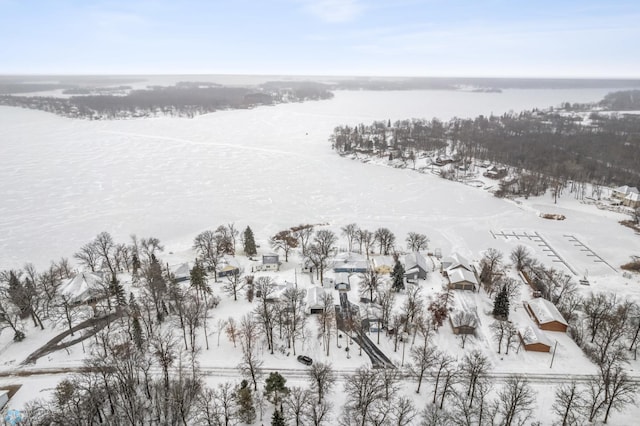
{"points": [[622, 192], [342, 282], [83, 287], [314, 300]]}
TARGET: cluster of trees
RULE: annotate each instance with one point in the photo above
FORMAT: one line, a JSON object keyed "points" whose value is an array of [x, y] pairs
{"points": [[552, 147], [185, 100]]}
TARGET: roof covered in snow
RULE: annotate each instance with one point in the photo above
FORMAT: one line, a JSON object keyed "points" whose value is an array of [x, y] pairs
{"points": [[342, 278], [454, 261], [415, 259], [531, 335], [626, 189], [314, 297], [181, 270], [458, 275], [83, 287], [545, 311]]}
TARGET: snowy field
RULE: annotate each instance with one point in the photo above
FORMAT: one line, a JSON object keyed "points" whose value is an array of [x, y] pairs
{"points": [[63, 181]]}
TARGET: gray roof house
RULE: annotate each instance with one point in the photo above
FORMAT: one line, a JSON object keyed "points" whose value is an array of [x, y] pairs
{"points": [[415, 266]]}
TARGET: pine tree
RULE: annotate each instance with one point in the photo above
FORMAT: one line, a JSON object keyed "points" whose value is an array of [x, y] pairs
{"points": [[246, 410], [277, 419], [198, 278], [275, 388], [249, 243], [398, 276], [118, 291], [501, 305]]}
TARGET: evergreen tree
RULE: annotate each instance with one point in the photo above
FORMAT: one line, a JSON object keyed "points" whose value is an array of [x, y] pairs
{"points": [[275, 388], [198, 278], [135, 263], [136, 330], [249, 243], [398, 276], [116, 289], [501, 305], [246, 410], [277, 419]]}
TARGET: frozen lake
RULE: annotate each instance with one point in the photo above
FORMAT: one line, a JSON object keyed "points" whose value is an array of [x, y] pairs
{"points": [[63, 181]]}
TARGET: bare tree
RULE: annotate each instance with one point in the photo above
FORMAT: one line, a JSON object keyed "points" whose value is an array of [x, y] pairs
{"points": [[285, 241], [303, 233], [370, 283], [88, 256], [385, 239], [568, 403], [620, 389], [364, 389], [319, 413], [218, 406], [351, 232], [500, 330], [296, 404], [322, 378], [443, 366], [251, 364], [416, 241], [423, 358], [520, 256], [490, 269], [150, 246], [365, 239], [233, 285], [516, 400], [403, 412], [266, 311], [474, 367]]}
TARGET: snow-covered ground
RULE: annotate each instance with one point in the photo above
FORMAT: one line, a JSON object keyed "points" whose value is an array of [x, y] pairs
{"points": [[63, 181]]}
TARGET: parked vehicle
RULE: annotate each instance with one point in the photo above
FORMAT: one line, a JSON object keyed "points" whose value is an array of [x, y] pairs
{"points": [[305, 360]]}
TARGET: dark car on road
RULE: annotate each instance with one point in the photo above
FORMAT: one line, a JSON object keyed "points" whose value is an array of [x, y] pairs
{"points": [[305, 359]]}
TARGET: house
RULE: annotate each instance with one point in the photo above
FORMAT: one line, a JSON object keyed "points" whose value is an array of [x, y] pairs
{"points": [[622, 192], [342, 282], [84, 287], [415, 266], [545, 314], [533, 339], [314, 300], [180, 272], [270, 262], [632, 200], [229, 266], [350, 263], [461, 279], [495, 172], [463, 322], [371, 315]]}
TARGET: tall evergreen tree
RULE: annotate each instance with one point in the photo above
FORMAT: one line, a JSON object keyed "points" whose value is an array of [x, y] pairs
{"points": [[276, 388], [398, 276], [246, 410], [501, 304], [249, 243], [277, 419]]}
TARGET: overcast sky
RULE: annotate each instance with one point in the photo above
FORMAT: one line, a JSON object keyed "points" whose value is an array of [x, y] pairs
{"points": [[322, 37]]}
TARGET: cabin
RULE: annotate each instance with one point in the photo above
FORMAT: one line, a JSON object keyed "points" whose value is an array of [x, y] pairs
{"points": [[533, 339], [415, 266], [545, 315], [342, 282], [314, 300], [495, 172], [622, 192]]}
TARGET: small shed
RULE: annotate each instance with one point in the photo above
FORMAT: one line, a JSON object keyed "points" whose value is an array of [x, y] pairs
{"points": [[314, 300], [342, 282], [545, 314], [533, 339], [463, 322], [462, 279], [415, 265]]}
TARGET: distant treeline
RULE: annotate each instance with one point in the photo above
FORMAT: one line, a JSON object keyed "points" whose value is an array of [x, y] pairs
{"points": [[184, 99], [600, 148]]}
